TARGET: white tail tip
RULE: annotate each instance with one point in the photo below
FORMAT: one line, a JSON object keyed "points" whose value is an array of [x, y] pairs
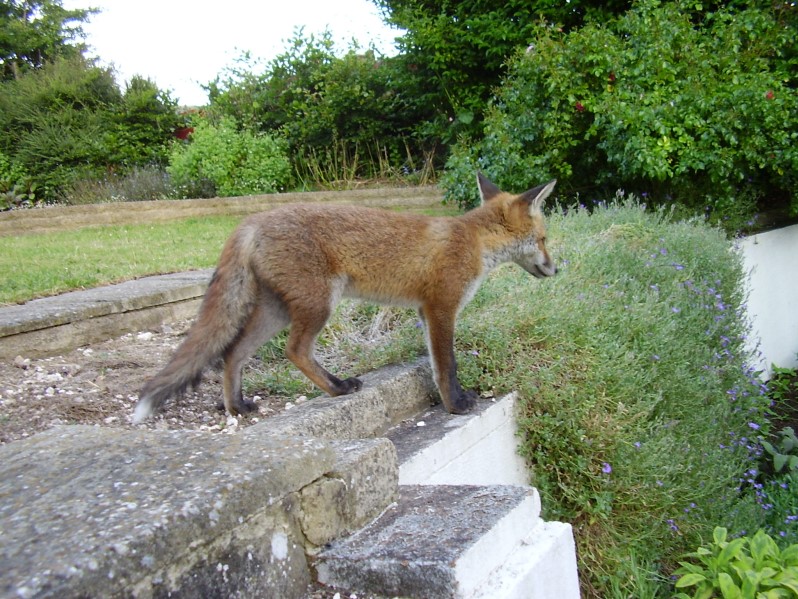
{"points": [[143, 411]]}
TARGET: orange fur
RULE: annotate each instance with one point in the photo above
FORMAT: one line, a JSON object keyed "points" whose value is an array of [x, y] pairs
{"points": [[293, 264]]}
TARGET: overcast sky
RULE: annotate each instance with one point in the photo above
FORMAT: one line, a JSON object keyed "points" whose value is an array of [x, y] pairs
{"points": [[182, 44]]}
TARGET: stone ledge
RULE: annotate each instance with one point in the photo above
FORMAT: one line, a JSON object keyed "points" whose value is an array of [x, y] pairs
{"points": [[54, 325], [88, 511], [434, 543], [389, 395], [59, 218]]}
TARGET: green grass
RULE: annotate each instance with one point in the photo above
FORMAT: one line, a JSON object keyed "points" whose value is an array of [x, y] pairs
{"points": [[37, 265]]}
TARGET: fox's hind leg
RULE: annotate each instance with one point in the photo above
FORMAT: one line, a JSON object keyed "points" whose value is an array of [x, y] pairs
{"points": [[268, 318], [306, 324]]}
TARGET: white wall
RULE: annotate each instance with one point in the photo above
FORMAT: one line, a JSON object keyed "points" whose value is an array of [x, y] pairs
{"points": [[772, 260]]}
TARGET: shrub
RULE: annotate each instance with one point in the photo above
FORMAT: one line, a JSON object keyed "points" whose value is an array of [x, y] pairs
{"points": [[636, 400], [740, 569], [144, 122], [68, 121], [652, 103], [342, 115], [16, 188], [235, 162]]}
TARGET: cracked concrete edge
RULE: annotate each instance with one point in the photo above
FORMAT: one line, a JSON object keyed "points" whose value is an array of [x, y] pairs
{"points": [[389, 395], [55, 325]]}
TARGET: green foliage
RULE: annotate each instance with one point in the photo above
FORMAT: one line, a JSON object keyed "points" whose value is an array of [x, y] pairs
{"points": [[68, 121], [653, 102], [144, 124], [235, 162], [321, 103], [783, 385], [33, 32], [16, 188], [785, 451], [743, 568], [53, 122], [454, 53]]}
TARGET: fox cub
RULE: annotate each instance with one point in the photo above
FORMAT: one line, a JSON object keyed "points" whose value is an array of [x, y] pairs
{"points": [[292, 265]]}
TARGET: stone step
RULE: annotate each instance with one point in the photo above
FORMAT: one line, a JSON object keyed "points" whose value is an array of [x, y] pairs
{"points": [[450, 541], [480, 448], [466, 525]]}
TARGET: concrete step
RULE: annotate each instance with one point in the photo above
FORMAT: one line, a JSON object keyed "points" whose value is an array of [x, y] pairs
{"points": [[450, 541], [97, 512], [466, 524], [480, 448]]}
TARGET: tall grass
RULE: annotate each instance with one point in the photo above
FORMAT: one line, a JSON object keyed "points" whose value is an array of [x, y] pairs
{"points": [[343, 165]]}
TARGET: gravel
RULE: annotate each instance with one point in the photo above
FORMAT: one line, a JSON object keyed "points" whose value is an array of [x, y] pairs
{"points": [[98, 385]]}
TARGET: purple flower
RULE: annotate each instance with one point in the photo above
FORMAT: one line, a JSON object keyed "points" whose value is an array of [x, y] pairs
{"points": [[753, 425], [606, 468], [677, 266]]}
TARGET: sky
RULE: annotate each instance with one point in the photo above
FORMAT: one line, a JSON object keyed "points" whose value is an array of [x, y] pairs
{"points": [[182, 44]]}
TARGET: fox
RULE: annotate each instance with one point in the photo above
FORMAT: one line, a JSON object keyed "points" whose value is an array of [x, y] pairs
{"points": [[293, 264]]}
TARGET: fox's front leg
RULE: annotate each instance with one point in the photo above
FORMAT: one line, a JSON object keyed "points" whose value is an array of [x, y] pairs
{"points": [[439, 329]]}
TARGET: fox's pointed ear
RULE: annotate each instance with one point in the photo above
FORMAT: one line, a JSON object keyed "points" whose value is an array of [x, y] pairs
{"points": [[535, 196], [487, 188]]}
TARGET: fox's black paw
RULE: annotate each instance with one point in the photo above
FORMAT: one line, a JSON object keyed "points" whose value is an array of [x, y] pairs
{"points": [[351, 385], [241, 408], [463, 403]]}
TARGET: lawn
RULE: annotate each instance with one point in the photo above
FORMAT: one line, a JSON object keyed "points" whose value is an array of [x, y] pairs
{"points": [[38, 265]]}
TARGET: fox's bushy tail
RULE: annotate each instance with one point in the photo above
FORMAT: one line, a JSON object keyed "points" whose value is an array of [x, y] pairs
{"points": [[228, 302]]}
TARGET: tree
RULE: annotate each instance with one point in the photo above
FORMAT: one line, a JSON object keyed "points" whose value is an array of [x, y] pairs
{"points": [[33, 32], [684, 106], [53, 121], [144, 124], [68, 121], [346, 114], [455, 51]]}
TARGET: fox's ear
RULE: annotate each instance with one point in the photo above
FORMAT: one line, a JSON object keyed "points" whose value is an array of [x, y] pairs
{"points": [[535, 196], [487, 188]]}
